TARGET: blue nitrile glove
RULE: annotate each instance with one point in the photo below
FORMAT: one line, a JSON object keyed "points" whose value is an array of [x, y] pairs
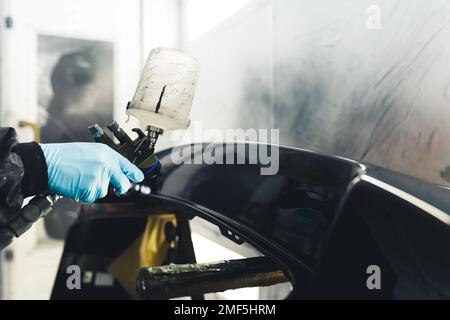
{"points": [[83, 171]]}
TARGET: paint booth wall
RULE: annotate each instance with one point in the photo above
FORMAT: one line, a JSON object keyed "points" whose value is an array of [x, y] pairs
{"points": [[315, 70]]}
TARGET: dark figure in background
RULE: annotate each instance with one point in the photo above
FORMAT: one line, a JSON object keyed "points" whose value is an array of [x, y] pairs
{"points": [[78, 97]]}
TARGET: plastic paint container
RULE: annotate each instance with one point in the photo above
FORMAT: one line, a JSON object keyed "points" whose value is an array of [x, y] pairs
{"points": [[165, 92]]}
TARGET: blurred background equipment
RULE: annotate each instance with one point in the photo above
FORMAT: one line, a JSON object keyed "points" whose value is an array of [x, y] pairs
{"points": [[75, 85]]}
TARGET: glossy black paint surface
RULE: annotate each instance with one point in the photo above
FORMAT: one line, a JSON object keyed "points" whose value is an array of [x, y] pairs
{"points": [[292, 208], [323, 219], [327, 219]]}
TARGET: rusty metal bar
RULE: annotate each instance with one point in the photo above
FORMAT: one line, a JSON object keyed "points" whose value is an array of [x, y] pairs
{"points": [[172, 281]]}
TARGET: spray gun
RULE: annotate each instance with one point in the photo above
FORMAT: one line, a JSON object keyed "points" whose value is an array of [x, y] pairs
{"points": [[162, 101], [139, 151]]}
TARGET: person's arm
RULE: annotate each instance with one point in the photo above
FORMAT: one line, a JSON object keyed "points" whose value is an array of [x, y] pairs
{"points": [[80, 171], [23, 173]]}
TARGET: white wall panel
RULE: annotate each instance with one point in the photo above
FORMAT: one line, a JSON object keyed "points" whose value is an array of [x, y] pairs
{"points": [[315, 70]]}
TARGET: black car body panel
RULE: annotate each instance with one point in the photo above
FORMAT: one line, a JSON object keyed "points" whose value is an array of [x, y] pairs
{"points": [[324, 219]]}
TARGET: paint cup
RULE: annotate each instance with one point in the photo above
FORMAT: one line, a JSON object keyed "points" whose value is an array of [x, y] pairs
{"points": [[165, 92]]}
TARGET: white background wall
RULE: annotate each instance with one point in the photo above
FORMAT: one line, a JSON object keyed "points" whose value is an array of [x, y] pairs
{"points": [[314, 70]]}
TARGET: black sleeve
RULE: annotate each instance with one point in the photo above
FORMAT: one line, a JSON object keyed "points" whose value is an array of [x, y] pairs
{"points": [[35, 179], [23, 173]]}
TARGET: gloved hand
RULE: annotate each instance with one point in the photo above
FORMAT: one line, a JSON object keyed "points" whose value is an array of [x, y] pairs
{"points": [[83, 171]]}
